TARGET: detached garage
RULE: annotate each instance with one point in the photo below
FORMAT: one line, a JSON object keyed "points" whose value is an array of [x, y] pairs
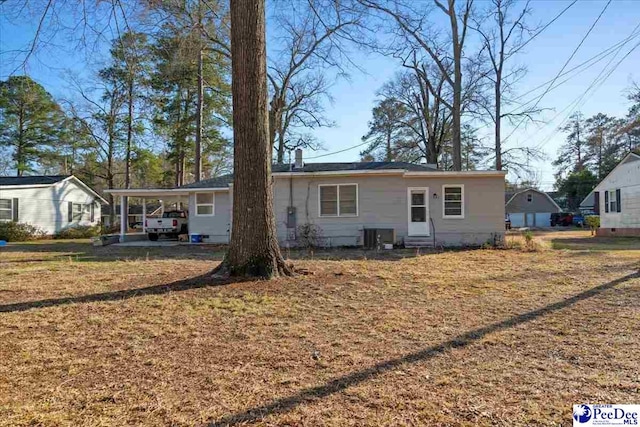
{"points": [[531, 208]]}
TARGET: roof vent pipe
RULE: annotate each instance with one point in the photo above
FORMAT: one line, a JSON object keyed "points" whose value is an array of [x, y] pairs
{"points": [[298, 163]]}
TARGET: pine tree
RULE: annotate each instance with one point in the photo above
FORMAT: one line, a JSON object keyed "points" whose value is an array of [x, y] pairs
{"points": [[30, 123]]}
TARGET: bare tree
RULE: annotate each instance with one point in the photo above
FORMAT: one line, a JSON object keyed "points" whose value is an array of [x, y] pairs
{"points": [[411, 21], [99, 113], [502, 31], [314, 35], [253, 249]]}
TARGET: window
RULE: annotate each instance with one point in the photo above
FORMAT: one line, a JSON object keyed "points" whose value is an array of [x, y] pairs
{"points": [[612, 201], [529, 198], [77, 211], [338, 200], [81, 212], [453, 203], [6, 210], [204, 204]]}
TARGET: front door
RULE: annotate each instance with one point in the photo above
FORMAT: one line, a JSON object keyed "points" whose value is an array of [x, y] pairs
{"points": [[418, 205]]}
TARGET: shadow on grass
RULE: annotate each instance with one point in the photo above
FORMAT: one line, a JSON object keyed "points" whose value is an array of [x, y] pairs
{"points": [[313, 394], [197, 282]]}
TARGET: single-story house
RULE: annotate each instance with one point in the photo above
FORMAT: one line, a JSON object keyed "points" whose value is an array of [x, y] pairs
{"points": [[348, 203], [51, 202], [530, 208], [617, 199]]}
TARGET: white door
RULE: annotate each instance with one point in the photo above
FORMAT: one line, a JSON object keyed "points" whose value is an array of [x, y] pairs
{"points": [[418, 206]]}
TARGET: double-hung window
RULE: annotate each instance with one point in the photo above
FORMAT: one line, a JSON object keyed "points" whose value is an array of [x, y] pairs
{"points": [[338, 200], [78, 210], [204, 204], [6, 209], [613, 201], [453, 201]]}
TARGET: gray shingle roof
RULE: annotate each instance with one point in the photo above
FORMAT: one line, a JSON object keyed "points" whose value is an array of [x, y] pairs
{"points": [[32, 180], [352, 166], [225, 180], [217, 182]]}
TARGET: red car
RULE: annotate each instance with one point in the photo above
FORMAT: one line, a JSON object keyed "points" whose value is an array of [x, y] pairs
{"points": [[564, 219]]}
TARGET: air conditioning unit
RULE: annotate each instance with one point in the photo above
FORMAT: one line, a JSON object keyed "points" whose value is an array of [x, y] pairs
{"points": [[378, 236]]}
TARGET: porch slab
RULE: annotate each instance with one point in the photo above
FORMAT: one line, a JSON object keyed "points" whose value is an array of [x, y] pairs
{"points": [[148, 244]]}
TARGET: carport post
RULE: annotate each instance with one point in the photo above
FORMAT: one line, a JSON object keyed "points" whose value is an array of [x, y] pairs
{"points": [[144, 215], [123, 220]]}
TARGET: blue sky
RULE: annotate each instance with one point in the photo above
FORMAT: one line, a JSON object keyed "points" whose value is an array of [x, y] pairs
{"points": [[354, 98]]}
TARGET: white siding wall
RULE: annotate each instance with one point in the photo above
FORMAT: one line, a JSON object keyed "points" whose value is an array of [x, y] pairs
{"points": [[383, 204], [216, 227], [625, 177], [47, 207]]}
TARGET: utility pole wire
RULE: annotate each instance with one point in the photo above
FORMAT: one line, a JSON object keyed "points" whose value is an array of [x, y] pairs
{"points": [[584, 38], [581, 97], [545, 26], [597, 57]]}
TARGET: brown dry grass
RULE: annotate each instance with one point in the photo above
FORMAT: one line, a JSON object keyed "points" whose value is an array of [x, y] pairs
{"points": [[484, 337]]}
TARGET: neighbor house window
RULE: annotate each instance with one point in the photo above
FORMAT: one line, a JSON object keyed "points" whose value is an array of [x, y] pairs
{"points": [[338, 200], [613, 203], [453, 201], [6, 210], [204, 204], [529, 198], [78, 210]]}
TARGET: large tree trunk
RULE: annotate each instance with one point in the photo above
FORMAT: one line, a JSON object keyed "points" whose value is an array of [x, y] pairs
{"points": [[200, 103], [253, 250]]}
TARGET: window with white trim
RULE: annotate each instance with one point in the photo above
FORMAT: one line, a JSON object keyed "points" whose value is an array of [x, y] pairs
{"points": [[81, 212], [338, 200], [6, 209], [204, 204], [453, 201], [613, 201]]}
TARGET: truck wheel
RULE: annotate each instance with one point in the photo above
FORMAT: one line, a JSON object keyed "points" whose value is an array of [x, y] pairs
{"points": [[153, 237]]}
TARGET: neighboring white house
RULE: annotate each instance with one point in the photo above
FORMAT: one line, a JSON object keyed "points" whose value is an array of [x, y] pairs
{"points": [[356, 204], [618, 199], [51, 203], [530, 208]]}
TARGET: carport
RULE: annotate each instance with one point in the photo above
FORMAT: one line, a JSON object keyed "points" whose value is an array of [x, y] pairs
{"points": [[165, 196]]}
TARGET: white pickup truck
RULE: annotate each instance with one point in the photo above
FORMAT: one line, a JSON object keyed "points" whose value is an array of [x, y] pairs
{"points": [[172, 224]]}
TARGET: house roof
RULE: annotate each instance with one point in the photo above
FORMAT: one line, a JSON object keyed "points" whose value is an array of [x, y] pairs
{"points": [[225, 180], [45, 181], [217, 182], [630, 157], [353, 166], [32, 180], [514, 195]]}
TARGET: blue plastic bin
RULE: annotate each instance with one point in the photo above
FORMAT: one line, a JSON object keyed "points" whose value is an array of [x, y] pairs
{"points": [[196, 238]]}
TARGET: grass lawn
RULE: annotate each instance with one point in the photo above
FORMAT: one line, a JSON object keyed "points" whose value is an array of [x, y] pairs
{"points": [[130, 336]]}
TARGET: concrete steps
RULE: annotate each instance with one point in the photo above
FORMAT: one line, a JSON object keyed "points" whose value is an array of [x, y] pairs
{"points": [[418, 242]]}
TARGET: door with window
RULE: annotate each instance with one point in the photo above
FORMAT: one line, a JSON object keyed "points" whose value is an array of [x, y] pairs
{"points": [[418, 206]]}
